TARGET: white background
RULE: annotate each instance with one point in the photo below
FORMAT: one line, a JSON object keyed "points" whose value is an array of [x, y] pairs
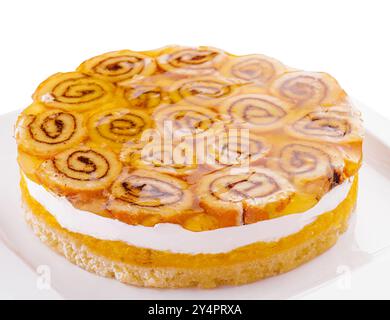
{"points": [[348, 39]]}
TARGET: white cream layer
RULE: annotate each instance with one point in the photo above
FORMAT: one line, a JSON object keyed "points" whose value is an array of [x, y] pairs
{"points": [[173, 237]]}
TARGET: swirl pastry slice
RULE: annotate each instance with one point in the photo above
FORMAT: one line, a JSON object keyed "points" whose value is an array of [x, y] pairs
{"points": [[177, 160], [140, 193], [254, 68], [119, 66], [186, 121], [305, 162], [203, 91], [114, 127], [145, 95], [80, 169], [191, 61], [257, 112], [325, 125], [239, 198], [49, 132], [74, 91], [307, 88], [236, 147]]}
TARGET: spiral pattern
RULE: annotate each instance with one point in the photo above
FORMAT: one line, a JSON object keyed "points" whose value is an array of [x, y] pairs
{"points": [[236, 148], [140, 190], [74, 91], [307, 88], [186, 120], [306, 162], [255, 68], [208, 138], [114, 127], [119, 66], [326, 126], [50, 132], [177, 160], [191, 61], [243, 197], [256, 112], [203, 91], [80, 169], [145, 96], [237, 188]]}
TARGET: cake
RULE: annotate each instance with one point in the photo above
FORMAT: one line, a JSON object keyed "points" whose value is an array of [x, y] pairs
{"points": [[189, 167]]}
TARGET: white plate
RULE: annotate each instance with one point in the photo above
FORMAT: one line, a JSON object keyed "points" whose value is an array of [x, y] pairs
{"points": [[366, 238]]}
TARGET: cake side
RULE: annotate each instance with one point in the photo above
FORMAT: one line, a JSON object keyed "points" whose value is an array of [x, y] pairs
{"points": [[151, 268]]}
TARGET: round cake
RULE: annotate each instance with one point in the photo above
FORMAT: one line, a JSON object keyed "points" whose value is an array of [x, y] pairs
{"points": [[189, 167]]}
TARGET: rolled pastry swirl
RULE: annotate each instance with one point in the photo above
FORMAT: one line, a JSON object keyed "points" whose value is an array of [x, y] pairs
{"points": [[49, 132], [236, 147], [142, 192], [327, 125], [145, 95], [305, 162], [191, 61], [237, 198], [307, 88], [203, 91], [185, 120], [74, 91], [254, 68], [116, 126], [177, 160], [119, 66], [257, 112], [80, 169]]}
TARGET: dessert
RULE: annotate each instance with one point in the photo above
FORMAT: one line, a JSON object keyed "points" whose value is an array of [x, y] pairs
{"points": [[189, 167]]}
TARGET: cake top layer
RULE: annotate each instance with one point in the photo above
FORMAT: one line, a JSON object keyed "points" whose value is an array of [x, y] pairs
{"points": [[193, 136]]}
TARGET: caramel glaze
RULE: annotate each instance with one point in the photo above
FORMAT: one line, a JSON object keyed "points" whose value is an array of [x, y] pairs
{"points": [[305, 137]]}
